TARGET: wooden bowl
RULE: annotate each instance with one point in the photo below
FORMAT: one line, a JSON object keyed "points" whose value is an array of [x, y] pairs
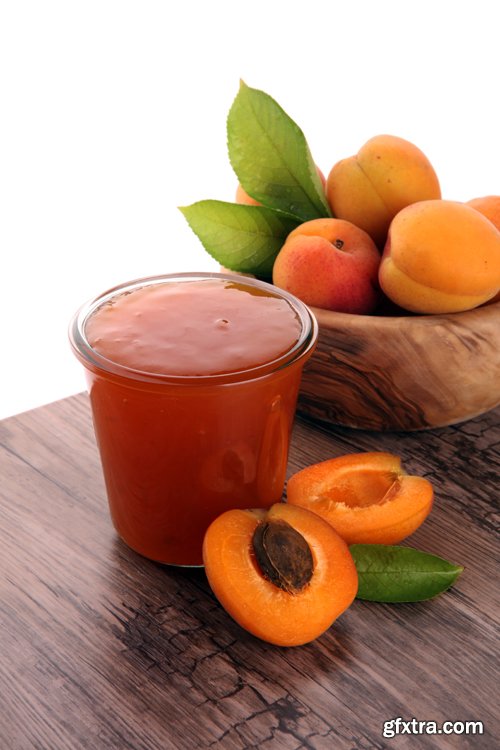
{"points": [[403, 373]]}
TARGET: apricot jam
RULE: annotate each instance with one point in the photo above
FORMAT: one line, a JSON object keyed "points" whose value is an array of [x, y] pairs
{"points": [[193, 381]]}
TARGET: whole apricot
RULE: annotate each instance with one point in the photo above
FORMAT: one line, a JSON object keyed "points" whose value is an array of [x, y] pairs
{"points": [[330, 263], [489, 206], [440, 257], [283, 574], [366, 497], [370, 188]]}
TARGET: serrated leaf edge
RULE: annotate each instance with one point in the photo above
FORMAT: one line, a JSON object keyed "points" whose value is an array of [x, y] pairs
{"points": [[321, 201]]}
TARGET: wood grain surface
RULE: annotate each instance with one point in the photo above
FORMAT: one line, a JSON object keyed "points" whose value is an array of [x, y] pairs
{"points": [[100, 648], [403, 373]]}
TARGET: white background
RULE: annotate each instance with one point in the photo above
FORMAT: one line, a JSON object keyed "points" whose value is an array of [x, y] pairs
{"points": [[113, 114]]}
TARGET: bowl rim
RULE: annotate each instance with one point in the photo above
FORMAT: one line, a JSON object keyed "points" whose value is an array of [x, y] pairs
{"points": [[331, 319]]}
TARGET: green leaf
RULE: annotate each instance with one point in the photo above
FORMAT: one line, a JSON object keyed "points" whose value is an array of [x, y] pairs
{"points": [[241, 238], [400, 574], [270, 156]]}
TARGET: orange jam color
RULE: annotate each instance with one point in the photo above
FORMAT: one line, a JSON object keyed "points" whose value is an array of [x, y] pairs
{"points": [[193, 381]]}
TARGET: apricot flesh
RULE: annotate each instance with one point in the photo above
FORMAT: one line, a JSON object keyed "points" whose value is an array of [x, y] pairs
{"points": [[256, 603], [366, 497], [370, 188], [440, 257], [331, 264]]}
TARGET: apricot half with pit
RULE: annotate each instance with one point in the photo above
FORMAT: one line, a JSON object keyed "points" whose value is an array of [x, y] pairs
{"points": [[366, 497], [283, 574]]}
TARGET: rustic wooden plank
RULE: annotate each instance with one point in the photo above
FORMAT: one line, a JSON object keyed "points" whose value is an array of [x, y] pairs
{"points": [[100, 648]]}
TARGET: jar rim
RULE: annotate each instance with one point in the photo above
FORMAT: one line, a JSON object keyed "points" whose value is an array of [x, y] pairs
{"points": [[93, 360]]}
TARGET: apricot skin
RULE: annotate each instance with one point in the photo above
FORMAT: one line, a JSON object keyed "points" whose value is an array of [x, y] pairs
{"points": [[330, 263], [366, 497], [387, 174], [245, 199], [255, 603], [440, 257], [489, 206]]}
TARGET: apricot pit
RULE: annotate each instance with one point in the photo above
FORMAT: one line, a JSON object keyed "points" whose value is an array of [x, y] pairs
{"points": [[367, 497], [283, 555], [283, 574]]}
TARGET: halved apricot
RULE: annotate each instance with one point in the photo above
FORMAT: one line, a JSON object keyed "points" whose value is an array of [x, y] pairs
{"points": [[283, 574], [366, 497]]}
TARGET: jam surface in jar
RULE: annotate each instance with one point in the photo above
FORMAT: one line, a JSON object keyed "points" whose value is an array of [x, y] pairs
{"points": [[207, 327]]}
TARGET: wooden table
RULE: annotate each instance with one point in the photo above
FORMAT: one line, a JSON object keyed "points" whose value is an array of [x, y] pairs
{"points": [[100, 648]]}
